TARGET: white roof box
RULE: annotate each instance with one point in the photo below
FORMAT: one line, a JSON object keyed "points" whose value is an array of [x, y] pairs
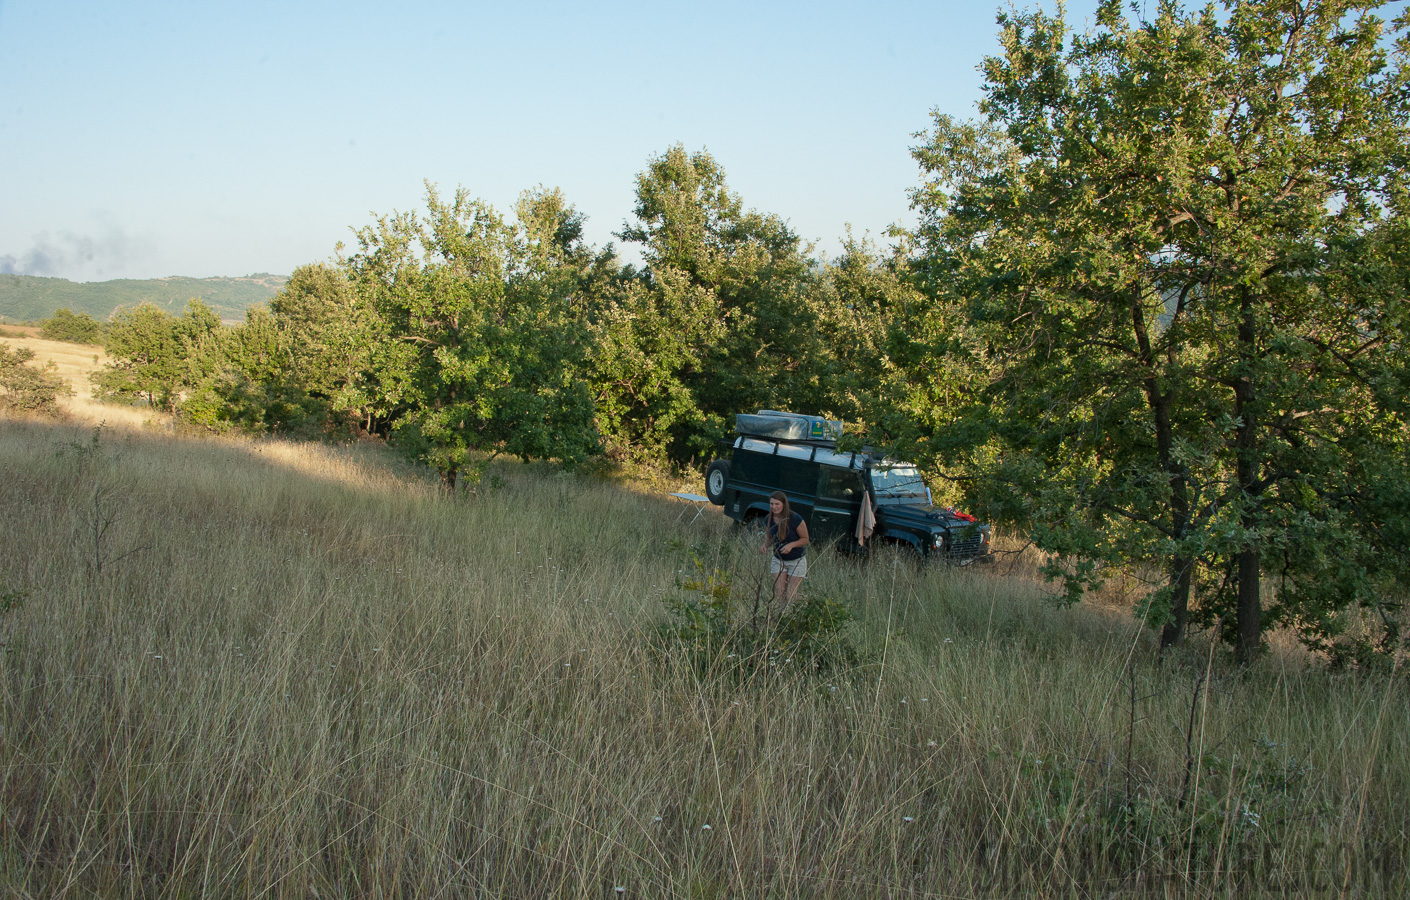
{"points": [[786, 426]]}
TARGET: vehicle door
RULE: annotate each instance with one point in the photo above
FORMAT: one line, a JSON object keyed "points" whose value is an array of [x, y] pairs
{"points": [[838, 503], [798, 478]]}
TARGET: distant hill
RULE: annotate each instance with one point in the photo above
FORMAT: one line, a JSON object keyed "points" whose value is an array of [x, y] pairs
{"points": [[30, 298]]}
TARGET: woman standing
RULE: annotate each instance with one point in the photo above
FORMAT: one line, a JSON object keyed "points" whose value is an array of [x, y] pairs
{"points": [[787, 535]]}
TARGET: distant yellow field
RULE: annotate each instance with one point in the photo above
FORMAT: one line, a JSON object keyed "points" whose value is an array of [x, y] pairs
{"points": [[74, 361]]}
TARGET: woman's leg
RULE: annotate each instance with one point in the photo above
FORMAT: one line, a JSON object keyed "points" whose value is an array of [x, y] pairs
{"points": [[791, 587], [781, 580]]}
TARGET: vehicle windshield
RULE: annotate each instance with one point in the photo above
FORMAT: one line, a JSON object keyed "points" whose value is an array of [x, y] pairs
{"points": [[896, 482]]}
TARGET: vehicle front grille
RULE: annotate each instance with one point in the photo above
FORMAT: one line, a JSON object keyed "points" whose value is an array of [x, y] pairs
{"points": [[966, 543]]}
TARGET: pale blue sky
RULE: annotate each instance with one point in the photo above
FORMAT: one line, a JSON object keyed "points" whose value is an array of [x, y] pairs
{"points": [[147, 138]]}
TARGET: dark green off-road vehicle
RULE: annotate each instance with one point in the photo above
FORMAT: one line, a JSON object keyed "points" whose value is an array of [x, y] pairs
{"points": [[796, 454]]}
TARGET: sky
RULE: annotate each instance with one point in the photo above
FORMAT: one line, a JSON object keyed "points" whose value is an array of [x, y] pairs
{"points": [[147, 139]]}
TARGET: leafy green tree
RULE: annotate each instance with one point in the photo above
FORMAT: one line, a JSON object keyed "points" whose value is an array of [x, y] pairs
{"points": [[201, 337], [330, 344], [868, 320], [474, 349], [648, 350], [159, 357], [26, 388], [1155, 310], [254, 384], [76, 328], [723, 318], [144, 358]]}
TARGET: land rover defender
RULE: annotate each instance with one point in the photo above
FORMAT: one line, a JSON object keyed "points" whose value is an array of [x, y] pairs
{"points": [[798, 454]]}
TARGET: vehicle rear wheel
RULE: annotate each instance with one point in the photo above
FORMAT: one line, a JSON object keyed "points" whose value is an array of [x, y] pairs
{"points": [[715, 478]]}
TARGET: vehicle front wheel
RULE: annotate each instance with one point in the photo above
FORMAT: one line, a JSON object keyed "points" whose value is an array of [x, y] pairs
{"points": [[715, 478]]}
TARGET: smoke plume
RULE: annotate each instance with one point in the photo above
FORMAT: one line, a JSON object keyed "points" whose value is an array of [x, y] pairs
{"points": [[78, 257]]}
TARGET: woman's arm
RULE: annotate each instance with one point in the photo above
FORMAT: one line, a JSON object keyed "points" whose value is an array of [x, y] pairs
{"points": [[802, 539]]}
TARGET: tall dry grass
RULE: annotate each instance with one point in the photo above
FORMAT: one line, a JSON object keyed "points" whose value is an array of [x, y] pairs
{"points": [[259, 669]]}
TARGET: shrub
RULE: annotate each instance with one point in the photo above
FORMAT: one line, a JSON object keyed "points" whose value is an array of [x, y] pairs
{"points": [[723, 631], [24, 388], [76, 328]]}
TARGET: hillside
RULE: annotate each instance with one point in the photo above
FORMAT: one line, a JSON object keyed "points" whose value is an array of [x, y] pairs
{"points": [[25, 298]]}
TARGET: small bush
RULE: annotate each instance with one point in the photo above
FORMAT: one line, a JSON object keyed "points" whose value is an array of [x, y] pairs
{"points": [[76, 328], [724, 631], [23, 388], [12, 600]]}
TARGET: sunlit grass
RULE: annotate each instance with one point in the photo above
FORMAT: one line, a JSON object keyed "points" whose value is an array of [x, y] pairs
{"points": [[73, 362], [242, 668]]}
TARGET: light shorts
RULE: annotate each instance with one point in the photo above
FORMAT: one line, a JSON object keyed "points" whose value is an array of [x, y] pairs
{"points": [[796, 568]]}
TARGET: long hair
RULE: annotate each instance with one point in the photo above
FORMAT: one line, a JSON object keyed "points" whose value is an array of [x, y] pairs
{"points": [[787, 513]]}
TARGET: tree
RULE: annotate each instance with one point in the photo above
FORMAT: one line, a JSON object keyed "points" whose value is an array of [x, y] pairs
{"points": [[1149, 265], [144, 357], [328, 337], [475, 350], [723, 319], [158, 357], [869, 321], [255, 385], [66, 325]]}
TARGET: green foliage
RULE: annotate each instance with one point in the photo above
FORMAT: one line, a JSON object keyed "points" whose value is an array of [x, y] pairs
{"points": [[1168, 306], [326, 343], [11, 600], [26, 389], [725, 318], [77, 328], [722, 631], [157, 357], [253, 386], [476, 347]]}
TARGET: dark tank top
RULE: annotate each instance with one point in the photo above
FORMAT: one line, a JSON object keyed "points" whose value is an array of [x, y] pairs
{"points": [[790, 535]]}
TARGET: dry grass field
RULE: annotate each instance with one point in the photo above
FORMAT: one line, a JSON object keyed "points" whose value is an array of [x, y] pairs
{"points": [[239, 668], [73, 361]]}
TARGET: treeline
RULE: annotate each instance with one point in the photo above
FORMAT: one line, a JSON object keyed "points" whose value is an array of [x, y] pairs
{"points": [[456, 331], [1154, 317]]}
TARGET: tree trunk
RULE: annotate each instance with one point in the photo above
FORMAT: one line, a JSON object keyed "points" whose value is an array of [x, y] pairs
{"points": [[448, 478], [1181, 576], [1248, 612], [1176, 476]]}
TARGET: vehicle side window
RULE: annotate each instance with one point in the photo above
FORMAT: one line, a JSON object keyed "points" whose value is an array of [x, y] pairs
{"points": [[839, 484], [797, 477]]}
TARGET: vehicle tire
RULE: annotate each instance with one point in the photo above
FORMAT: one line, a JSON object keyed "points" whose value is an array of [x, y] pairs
{"points": [[715, 478]]}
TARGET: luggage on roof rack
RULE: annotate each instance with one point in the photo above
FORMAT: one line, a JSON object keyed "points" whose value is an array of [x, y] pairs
{"points": [[786, 426]]}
